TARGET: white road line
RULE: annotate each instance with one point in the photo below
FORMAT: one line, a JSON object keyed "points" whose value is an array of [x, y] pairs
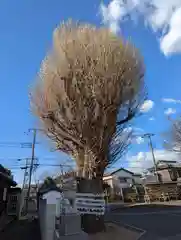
{"points": [[143, 233], [129, 226]]}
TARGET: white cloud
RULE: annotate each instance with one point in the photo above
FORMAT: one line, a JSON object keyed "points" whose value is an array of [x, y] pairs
{"points": [[147, 106], [170, 100], [151, 118], [139, 140], [144, 160], [132, 134], [170, 111], [163, 16], [171, 42]]}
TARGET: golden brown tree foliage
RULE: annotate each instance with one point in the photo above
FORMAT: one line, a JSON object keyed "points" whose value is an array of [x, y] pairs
{"points": [[89, 78]]}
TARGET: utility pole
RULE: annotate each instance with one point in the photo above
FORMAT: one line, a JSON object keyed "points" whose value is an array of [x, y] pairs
{"points": [[31, 166], [61, 168], [149, 135], [25, 173]]}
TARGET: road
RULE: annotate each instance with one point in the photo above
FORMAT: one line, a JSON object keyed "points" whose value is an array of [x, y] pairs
{"points": [[155, 222], [21, 230]]}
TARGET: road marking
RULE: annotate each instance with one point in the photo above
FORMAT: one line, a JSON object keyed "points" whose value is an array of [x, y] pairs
{"points": [[141, 235], [142, 231], [128, 226]]}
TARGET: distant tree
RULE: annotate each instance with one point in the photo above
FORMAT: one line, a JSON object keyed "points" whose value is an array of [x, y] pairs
{"points": [[90, 86], [48, 183], [172, 139]]}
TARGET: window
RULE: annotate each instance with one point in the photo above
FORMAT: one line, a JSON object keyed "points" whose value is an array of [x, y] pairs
{"points": [[122, 180]]}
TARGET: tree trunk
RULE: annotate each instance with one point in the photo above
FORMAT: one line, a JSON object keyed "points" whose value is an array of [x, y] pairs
{"points": [[91, 223]]}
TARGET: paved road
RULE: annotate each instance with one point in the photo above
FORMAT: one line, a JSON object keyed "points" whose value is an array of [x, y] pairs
{"points": [[155, 222], [21, 230]]}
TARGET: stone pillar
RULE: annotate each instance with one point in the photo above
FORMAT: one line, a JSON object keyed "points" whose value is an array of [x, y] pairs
{"points": [[51, 210]]}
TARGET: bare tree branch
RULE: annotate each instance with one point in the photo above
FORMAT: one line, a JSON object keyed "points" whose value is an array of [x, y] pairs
{"points": [[172, 139]]}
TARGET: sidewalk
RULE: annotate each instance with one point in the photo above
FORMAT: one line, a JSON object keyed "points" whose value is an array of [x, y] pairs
{"points": [[112, 231], [121, 205], [5, 221], [22, 230]]}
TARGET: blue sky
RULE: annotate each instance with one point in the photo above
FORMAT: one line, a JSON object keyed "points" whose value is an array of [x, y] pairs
{"points": [[26, 32]]}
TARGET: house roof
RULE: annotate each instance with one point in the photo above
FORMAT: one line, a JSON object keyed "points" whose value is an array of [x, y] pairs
{"points": [[163, 164], [137, 174], [120, 169], [5, 174], [48, 189], [8, 179]]}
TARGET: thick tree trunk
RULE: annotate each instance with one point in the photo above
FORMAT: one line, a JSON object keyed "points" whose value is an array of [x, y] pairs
{"points": [[91, 223]]}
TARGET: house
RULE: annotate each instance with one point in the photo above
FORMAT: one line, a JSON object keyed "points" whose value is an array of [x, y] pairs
{"points": [[167, 171], [122, 183], [117, 181], [165, 181], [6, 182]]}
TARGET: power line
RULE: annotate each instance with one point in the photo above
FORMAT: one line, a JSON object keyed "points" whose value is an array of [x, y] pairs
{"points": [[16, 144]]}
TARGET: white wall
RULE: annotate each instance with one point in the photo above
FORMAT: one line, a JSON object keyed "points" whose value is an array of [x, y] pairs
{"points": [[138, 180], [108, 180], [165, 175], [123, 174], [115, 182]]}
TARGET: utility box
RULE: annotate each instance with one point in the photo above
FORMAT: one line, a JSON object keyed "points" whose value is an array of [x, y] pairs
{"points": [[70, 224]]}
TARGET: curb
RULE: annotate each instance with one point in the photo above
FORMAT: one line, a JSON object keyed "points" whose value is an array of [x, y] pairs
{"points": [[142, 232], [151, 205], [130, 227]]}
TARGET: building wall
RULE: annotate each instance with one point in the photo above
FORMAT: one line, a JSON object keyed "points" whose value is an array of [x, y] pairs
{"points": [[118, 182], [122, 179], [138, 180], [165, 175], [108, 180]]}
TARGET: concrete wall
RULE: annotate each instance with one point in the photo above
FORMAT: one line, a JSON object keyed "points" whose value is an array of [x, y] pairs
{"points": [[47, 214]]}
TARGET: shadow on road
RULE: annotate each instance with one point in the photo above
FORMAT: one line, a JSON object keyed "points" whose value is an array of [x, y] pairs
{"points": [[21, 230]]}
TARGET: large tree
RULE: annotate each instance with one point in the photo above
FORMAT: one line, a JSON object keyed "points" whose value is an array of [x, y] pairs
{"points": [[90, 85]]}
